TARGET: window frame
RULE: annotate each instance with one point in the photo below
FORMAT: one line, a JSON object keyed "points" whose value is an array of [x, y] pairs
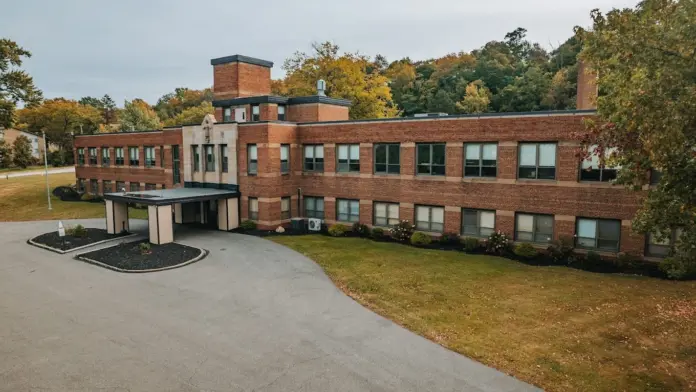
{"points": [[480, 166], [149, 161], [673, 237], [209, 151], [285, 165], [196, 155], [386, 163], [253, 215], [105, 156], [535, 226], [600, 167], [93, 156], [81, 156], [430, 165], [135, 185], [149, 186], [387, 218], [161, 156], [122, 159], [537, 157], [107, 184], [286, 214], [315, 164], [479, 228], [350, 166], [350, 210], [130, 156], [314, 200], [176, 163], [80, 185], [255, 116], [430, 218], [227, 114], [597, 237], [282, 116], [93, 186], [224, 158], [252, 163]]}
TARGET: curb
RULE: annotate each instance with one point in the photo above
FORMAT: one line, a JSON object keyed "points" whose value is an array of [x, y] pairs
{"points": [[62, 252], [201, 256]]}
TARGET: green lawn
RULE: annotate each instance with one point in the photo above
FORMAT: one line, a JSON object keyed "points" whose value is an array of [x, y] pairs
{"points": [[24, 199], [555, 327]]}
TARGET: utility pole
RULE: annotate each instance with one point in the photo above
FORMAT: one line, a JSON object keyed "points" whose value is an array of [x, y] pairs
{"points": [[48, 187]]}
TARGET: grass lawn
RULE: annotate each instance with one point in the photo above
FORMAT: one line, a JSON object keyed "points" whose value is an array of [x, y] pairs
{"points": [[24, 199], [555, 327]]}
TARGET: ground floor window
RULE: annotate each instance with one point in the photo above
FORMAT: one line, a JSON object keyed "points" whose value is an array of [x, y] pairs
{"points": [[107, 186], [534, 228], [80, 185], [478, 223], [253, 208], [314, 207], [600, 234], [285, 208], [429, 218], [348, 210], [134, 187], [386, 214], [120, 186], [93, 186], [150, 187], [661, 245]]}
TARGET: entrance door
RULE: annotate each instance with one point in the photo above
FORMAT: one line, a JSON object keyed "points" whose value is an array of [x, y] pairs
{"points": [[211, 214]]}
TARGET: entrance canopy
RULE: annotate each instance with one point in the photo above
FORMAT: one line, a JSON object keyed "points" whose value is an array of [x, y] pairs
{"points": [[162, 197]]}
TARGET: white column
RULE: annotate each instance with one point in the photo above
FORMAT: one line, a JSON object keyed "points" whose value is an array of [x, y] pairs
{"points": [[116, 217], [178, 213], [160, 224]]}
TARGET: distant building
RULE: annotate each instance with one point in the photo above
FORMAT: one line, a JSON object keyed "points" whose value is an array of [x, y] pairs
{"points": [[37, 142]]}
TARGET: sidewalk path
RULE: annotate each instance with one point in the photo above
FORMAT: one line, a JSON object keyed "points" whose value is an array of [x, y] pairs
{"points": [[7, 175]]}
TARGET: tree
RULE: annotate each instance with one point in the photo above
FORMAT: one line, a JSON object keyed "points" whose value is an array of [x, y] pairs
{"points": [[21, 152], [105, 105], [137, 115], [5, 155], [526, 93], [441, 102], [477, 98], [192, 115], [172, 104], [647, 109], [15, 84]]}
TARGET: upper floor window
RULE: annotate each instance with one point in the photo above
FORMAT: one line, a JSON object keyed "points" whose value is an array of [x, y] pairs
{"points": [[176, 160], [81, 156], [161, 149], [209, 158], [252, 159], [253, 208], [478, 223], [227, 114], [255, 113], [314, 207], [133, 156], [386, 214], [149, 156], [534, 228], [106, 156], [224, 160], [480, 159], [537, 161], [347, 210], [285, 208], [284, 158], [655, 176], [92, 155], [661, 245], [431, 159], [281, 112], [118, 152], [348, 158], [600, 234], [430, 218], [196, 158], [314, 158], [387, 158], [593, 169]]}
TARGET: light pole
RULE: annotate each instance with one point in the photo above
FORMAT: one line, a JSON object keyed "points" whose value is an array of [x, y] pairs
{"points": [[48, 187]]}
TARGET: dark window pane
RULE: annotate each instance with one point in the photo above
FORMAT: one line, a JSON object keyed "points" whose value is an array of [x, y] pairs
{"points": [[380, 168], [423, 153], [544, 225], [470, 230], [527, 172], [541, 237], [354, 167], [609, 174], [489, 171], [470, 171], [439, 154], [655, 176], [438, 170], [394, 152], [423, 169], [381, 153], [609, 229], [394, 169], [547, 173], [608, 244], [472, 162], [590, 175]]}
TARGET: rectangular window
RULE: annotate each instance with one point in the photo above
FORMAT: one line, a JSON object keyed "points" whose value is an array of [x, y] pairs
{"points": [[431, 159], [118, 152], [120, 186], [284, 158], [93, 187], [149, 156], [133, 156], [224, 159], [150, 187], [537, 161], [480, 160], [107, 186], [285, 208], [106, 157], [430, 218], [92, 155], [281, 112], [253, 208], [314, 158], [209, 158], [255, 113], [80, 185], [534, 228], [386, 214], [655, 176], [161, 156], [600, 234], [348, 158], [661, 245], [478, 223], [81, 156], [592, 168], [314, 207], [252, 159], [347, 210], [387, 158], [227, 115], [134, 186], [175, 164], [196, 158]]}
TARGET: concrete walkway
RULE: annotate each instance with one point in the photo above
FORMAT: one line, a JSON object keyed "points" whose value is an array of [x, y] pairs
{"points": [[7, 175], [252, 316]]}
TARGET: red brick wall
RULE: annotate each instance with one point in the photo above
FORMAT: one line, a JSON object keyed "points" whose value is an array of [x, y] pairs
{"points": [[233, 80], [313, 112], [587, 87]]}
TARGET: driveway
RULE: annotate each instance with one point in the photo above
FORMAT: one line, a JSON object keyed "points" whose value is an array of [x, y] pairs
{"points": [[252, 316], [8, 175]]}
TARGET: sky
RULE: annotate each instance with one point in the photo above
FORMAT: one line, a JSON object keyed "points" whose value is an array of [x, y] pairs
{"points": [[145, 48]]}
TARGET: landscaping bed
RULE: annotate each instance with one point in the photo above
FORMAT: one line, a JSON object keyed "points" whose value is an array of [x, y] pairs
{"points": [[144, 257], [86, 237]]}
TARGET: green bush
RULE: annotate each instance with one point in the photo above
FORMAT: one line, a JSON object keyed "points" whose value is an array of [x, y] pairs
{"points": [[87, 197], [145, 247], [360, 230], [248, 225], [472, 244], [377, 233], [76, 231], [593, 258], [526, 250], [419, 238], [625, 261], [338, 230], [449, 239], [561, 250], [678, 268], [402, 232], [498, 243]]}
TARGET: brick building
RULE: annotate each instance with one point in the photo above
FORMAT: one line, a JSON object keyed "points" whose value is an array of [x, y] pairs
{"points": [[303, 157]]}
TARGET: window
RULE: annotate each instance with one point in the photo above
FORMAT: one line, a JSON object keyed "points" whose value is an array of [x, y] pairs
{"points": [[662, 247], [134, 186], [175, 163], [80, 185], [118, 152], [150, 187], [386, 214], [281, 112], [164, 186], [253, 208], [431, 159], [252, 159], [120, 186], [93, 186], [314, 207], [347, 210], [601, 234], [314, 158], [81, 156], [534, 228], [285, 208], [592, 169], [106, 157], [387, 158], [227, 115], [107, 186], [196, 158], [430, 218], [161, 156], [655, 176], [537, 161], [149, 157], [480, 159], [478, 223], [284, 158], [255, 113], [134, 156], [209, 158], [92, 155], [224, 159], [348, 158]]}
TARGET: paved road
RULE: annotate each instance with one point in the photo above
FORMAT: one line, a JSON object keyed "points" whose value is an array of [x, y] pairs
{"points": [[7, 175], [252, 316]]}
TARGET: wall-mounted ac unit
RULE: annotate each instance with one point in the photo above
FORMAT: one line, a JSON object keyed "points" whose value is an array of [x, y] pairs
{"points": [[314, 224]]}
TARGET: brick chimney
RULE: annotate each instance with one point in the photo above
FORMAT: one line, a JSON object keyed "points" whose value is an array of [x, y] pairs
{"points": [[240, 76], [587, 87]]}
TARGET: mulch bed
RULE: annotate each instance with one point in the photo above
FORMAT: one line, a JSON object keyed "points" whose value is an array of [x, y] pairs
{"points": [[129, 257], [93, 236]]}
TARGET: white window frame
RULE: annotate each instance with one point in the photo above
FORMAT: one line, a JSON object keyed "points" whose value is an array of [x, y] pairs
{"points": [[588, 221], [352, 207], [537, 236], [540, 162], [252, 159], [430, 225], [348, 158], [390, 218], [314, 201], [481, 231]]}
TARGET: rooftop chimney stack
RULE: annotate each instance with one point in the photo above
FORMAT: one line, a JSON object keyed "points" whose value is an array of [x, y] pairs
{"points": [[587, 87], [321, 88]]}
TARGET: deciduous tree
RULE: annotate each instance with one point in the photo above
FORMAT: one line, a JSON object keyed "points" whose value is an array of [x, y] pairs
{"points": [[15, 85], [192, 115], [477, 98], [21, 152], [60, 118], [137, 115], [5, 155]]}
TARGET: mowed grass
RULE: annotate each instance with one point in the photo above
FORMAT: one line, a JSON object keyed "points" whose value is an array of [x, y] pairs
{"points": [[554, 327], [24, 199]]}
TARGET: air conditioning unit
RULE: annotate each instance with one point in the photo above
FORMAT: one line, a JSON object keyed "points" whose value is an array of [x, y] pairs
{"points": [[314, 224]]}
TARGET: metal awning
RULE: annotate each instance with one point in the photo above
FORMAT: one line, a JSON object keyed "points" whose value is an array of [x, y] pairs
{"points": [[170, 196]]}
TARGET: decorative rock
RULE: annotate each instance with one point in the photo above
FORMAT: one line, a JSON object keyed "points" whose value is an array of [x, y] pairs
{"points": [[280, 230]]}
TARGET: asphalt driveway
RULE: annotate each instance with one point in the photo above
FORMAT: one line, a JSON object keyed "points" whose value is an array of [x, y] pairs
{"points": [[252, 316]]}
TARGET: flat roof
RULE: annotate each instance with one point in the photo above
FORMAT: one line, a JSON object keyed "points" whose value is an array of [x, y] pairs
{"points": [[169, 196]]}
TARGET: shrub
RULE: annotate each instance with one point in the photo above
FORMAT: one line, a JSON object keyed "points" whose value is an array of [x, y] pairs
{"points": [[87, 197], [360, 230], [145, 248], [247, 225], [498, 243], [76, 231], [626, 261], [419, 238], [678, 268], [451, 239], [472, 244], [593, 258], [377, 233], [402, 232], [338, 230], [526, 250], [561, 251]]}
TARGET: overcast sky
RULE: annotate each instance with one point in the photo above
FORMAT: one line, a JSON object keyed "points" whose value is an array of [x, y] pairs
{"points": [[146, 48]]}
